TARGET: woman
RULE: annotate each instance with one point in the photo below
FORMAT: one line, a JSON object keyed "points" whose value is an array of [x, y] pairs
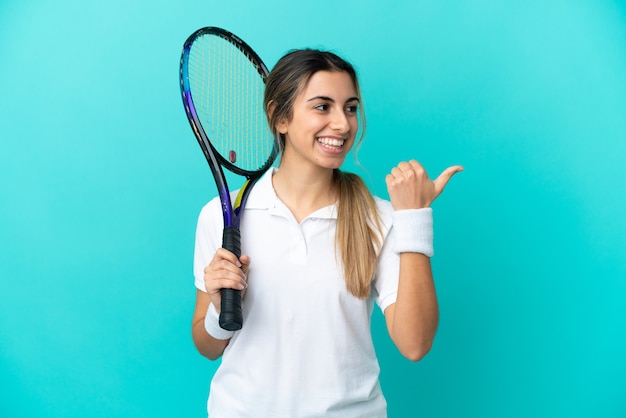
{"points": [[319, 251]]}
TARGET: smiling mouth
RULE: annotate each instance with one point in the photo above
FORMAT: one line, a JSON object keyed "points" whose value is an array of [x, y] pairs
{"points": [[331, 142]]}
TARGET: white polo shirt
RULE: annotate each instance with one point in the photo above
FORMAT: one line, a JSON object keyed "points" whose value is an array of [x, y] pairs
{"points": [[305, 349]]}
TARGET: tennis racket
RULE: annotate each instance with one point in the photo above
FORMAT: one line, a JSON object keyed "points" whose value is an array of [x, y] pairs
{"points": [[222, 83]]}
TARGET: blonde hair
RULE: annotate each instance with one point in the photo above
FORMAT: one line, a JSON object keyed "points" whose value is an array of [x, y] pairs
{"points": [[358, 236]]}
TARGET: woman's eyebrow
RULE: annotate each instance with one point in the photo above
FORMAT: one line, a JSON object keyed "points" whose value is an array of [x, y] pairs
{"points": [[329, 99]]}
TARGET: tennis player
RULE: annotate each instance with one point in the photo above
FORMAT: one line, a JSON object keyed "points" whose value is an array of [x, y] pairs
{"points": [[319, 251]]}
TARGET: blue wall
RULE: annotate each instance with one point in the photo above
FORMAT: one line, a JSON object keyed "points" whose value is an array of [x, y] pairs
{"points": [[101, 181]]}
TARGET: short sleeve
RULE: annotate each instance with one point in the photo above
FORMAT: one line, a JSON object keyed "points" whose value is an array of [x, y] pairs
{"points": [[388, 272]]}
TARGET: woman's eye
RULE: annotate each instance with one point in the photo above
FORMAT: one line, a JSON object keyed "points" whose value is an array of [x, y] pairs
{"points": [[322, 107], [352, 108]]}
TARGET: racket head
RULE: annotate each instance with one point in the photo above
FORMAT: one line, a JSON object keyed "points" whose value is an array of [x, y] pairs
{"points": [[222, 84]]}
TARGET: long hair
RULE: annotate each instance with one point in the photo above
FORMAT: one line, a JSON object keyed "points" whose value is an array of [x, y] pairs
{"points": [[358, 236]]}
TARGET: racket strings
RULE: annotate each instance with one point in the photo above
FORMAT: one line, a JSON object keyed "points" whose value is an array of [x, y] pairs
{"points": [[227, 92]]}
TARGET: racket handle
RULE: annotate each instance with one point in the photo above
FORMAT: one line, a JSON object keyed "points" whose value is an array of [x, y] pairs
{"points": [[231, 316]]}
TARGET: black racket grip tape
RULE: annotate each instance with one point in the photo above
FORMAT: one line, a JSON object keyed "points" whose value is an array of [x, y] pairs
{"points": [[231, 315]]}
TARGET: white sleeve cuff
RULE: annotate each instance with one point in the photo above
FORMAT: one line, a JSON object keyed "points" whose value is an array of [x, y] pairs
{"points": [[413, 231], [212, 325]]}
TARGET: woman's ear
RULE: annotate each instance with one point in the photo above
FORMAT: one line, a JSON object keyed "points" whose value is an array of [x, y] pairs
{"points": [[271, 105], [281, 125]]}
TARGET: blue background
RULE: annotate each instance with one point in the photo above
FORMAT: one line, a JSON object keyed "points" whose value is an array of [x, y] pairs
{"points": [[101, 181]]}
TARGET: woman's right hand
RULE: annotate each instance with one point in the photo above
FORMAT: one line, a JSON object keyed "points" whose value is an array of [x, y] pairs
{"points": [[225, 271]]}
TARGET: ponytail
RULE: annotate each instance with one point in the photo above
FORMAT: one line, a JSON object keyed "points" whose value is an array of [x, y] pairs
{"points": [[358, 238]]}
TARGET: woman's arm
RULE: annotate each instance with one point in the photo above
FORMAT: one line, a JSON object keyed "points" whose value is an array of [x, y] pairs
{"points": [[224, 271], [208, 346], [412, 320]]}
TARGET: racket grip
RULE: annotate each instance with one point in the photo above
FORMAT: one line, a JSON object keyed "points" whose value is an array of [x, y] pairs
{"points": [[231, 315]]}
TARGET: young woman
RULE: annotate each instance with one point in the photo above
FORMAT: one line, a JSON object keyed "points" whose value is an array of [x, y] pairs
{"points": [[319, 251]]}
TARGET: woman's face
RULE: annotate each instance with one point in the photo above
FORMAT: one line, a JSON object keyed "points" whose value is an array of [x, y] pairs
{"points": [[324, 121]]}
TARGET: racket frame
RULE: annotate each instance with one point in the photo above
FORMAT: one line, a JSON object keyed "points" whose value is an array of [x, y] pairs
{"points": [[231, 317]]}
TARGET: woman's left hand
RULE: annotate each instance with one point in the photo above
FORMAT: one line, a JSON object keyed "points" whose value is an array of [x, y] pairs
{"points": [[410, 187]]}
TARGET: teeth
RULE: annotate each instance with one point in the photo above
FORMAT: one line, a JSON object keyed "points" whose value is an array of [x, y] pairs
{"points": [[331, 141]]}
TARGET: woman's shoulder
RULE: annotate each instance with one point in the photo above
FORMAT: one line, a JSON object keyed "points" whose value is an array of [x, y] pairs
{"points": [[211, 212], [383, 204], [208, 218], [385, 212], [216, 204], [210, 206]]}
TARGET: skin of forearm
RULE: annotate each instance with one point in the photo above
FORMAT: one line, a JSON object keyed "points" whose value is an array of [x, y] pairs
{"points": [[206, 345], [415, 315]]}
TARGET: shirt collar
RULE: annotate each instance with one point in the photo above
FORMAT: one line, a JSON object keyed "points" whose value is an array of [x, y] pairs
{"points": [[263, 196]]}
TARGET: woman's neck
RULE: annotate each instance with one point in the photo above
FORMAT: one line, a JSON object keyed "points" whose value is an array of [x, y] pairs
{"points": [[304, 191]]}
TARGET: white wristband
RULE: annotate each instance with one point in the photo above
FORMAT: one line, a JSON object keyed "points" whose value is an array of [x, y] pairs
{"points": [[212, 325], [413, 230]]}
